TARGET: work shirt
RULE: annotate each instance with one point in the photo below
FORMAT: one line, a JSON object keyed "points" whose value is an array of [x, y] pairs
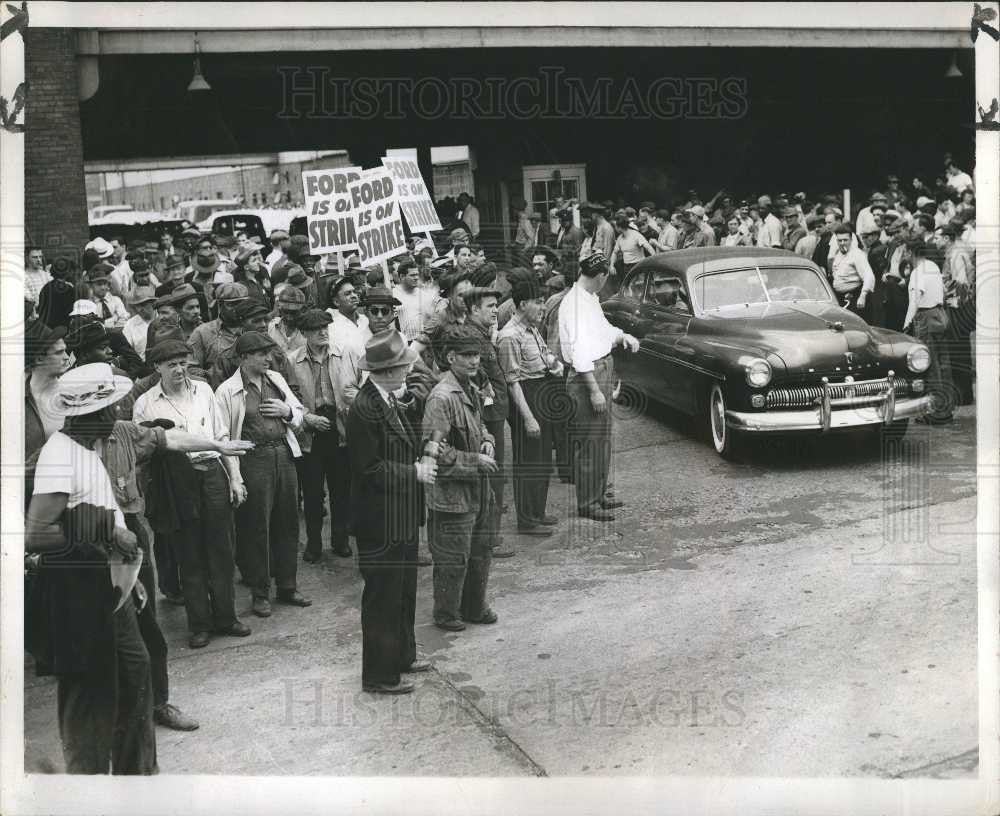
{"points": [[769, 232], [112, 311], [585, 335], [343, 330], [34, 281], [121, 279], [129, 446], [491, 380], [470, 215], [193, 411], [347, 376], [669, 237], [287, 342], [523, 352], [456, 412], [210, 341], [926, 289], [604, 239], [505, 312], [851, 270], [313, 376], [737, 239], [958, 268], [257, 427], [414, 305], [807, 245]]}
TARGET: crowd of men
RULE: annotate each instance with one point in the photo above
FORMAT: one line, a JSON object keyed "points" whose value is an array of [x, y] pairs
{"points": [[206, 394]]}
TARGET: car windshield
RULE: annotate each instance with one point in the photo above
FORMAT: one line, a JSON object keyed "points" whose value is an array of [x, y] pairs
{"points": [[722, 290]]}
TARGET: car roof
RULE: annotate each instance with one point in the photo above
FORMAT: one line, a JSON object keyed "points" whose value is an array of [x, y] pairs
{"points": [[686, 262]]}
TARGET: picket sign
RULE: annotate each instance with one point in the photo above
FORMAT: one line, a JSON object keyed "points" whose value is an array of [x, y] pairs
{"points": [[414, 198], [378, 221], [330, 223]]}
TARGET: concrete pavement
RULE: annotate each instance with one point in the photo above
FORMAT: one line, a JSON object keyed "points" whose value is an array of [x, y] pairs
{"points": [[807, 612]]}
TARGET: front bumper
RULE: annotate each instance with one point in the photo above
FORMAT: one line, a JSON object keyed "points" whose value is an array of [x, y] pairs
{"points": [[830, 415]]}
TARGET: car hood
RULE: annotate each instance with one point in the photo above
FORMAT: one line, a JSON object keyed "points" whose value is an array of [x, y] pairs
{"points": [[809, 337]]}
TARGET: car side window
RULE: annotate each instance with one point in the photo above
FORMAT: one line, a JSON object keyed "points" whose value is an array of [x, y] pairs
{"points": [[667, 290], [635, 285]]}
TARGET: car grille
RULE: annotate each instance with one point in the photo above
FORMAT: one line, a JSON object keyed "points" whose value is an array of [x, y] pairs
{"points": [[806, 395]]}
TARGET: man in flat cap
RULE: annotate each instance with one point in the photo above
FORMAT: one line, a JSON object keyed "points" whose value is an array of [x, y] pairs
{"points": [[190, 501], [321, 462], [793, 229], [283, 328], [252, 316], [460, 500], [257, 405], [387, 483]]}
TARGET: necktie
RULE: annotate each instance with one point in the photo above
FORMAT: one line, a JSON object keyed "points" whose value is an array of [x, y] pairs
{"points": [[104, 309], [394, 412]]}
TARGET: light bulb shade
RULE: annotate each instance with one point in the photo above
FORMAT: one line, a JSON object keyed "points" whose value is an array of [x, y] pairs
{"points": [[198, 81], [953, 71]]}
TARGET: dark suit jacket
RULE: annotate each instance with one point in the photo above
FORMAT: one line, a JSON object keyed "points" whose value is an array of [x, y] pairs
{"points": [[388, 501]]}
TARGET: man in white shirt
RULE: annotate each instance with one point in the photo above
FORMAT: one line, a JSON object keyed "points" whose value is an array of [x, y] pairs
{"points": [[136, 327], [349, 328], [958, 180], [469, 213], [412, 298], [279, 243], [770, 232], [586, 339], [121, 275], [866, 221], [852, 274], [113, 312]]}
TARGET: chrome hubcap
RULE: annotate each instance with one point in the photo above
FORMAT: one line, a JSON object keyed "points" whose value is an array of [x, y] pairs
{"points": [[718, 412]]}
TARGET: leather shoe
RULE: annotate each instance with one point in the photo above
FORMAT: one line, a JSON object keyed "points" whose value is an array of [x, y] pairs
{"points": [[199, 640], [171, 717], [596, 513], [176, 600], [418, 665], [450, 625], [488, 616], [238, 629], [312, 557], [293, 598], [402, 687], [261, 607], [343, 549], [536, 530], [548, 521], [503, 551], [611, 504]]}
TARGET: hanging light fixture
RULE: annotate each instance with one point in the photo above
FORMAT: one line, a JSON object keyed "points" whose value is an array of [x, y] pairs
{"points": [[198, 81], [953, 71]]}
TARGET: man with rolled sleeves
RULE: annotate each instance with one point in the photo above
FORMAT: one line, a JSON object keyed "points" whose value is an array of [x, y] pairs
{"points": [[204, 546], [387, 485], [459, 502], [257, 405], [318, 437], [526, 363], [586, 339]]}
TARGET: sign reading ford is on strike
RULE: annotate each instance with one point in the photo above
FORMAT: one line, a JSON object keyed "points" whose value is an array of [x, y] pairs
{"points": [[378, 223], [329, 218], [414, 200]]}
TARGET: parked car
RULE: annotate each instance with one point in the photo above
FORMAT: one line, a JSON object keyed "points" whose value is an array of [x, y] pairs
{"points": [[104, 210], [197, 210], [228, 224], [753, 341]]}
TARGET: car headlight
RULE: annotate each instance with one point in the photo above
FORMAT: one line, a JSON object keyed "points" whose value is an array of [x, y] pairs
{"points": [[758, 373], [918, 359]]}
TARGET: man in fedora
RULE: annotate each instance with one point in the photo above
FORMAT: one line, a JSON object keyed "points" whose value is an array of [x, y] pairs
{"points": [[300, 280], [460, 501], [321, 462], [387, 484], [174, 273], [256, 404]]}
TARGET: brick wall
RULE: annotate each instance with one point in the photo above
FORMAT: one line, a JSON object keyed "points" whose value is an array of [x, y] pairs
{"points": [[55, 194]]}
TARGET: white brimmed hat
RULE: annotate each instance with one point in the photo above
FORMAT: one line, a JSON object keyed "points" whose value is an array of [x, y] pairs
{"points": [[89, 388], [101, 247], [85, 307]]}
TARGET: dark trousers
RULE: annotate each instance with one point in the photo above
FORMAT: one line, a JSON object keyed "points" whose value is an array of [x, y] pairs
{"points": [[168, 573], [939, 384], [149, 627], [267, 523], [318, 467], [498, 480], [106, 714], [962, 322], [461, 545], [532, 456], [205, 552], [590, 434], [388, 608]]}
